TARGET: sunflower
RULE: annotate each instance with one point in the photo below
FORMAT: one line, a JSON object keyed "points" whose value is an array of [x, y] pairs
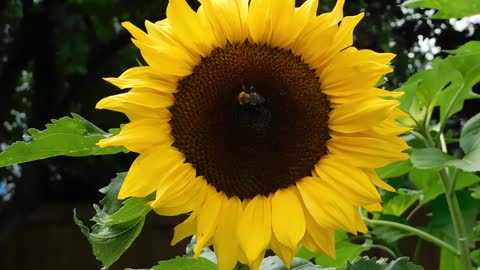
{"points": [[260, 120]]}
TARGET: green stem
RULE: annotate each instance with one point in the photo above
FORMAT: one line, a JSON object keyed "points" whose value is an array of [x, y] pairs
{"points": [[384, 248], [457, 221], [454, 208], [417, 232]]}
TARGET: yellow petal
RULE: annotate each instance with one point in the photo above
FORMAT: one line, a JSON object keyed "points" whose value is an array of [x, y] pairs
{"points": [[386, 93], [192, 29], [286, 253], [377, 181], [185, 229], [344, 37], [145, 99], [258, 21], [322, 21], [137, 33], [327, 207], [226, 21], [318, 238], [361, 75], [285, 28], [374, 207], [145, 77], [208, 219], [226, 244], [255, 264], [255, 227], [315, 48], [166, 60], [350, 181], [141, 135], [358, 221], [349, 118], [390, 126], [308, 10], [191, 197], [148, 171], [368, 152], [288, 222]]}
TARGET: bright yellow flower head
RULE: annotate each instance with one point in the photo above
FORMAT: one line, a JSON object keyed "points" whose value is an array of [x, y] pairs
{"points": [[261, 121]]}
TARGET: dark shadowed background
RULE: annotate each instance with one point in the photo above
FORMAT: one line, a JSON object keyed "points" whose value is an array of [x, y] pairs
{"points": [[53, 55]]}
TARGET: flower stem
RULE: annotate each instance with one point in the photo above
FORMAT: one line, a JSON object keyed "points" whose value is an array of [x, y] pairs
{"points": [[424, 235], [455, 213], [457, 221]]}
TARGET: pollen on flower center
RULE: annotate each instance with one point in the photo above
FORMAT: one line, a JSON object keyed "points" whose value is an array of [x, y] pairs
{"points": [[251, 119]]}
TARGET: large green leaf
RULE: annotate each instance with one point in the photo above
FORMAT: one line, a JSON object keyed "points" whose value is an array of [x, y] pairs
{"points": [[345, 251], [67, 136], [430, 158], [448, 260], [184, 263], [423, 89], [116, 225], [395, 169], [365, 263], [476, 256], [401, 202], [467, 48], [441, 223], [275, 263], [446, 8], [452, 98], [429, 182], [434, 158], [447, 84]]}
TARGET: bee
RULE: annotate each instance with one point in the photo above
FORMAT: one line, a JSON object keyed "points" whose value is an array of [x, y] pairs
{"points": [[249, 97]]}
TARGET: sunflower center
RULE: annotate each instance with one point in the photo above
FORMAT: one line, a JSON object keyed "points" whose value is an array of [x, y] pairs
{"points": [[251, 119]]}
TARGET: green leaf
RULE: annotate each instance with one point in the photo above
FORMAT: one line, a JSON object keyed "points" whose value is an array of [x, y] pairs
{"points": [[434, 158], [275, 263], [429, 182], [467, 73], [66, 136], [448, 260], [401, 202], [429, 158], [447, 84], [476, 256], [116, 225], [471, 127], [395, 169], [365, 263], [345, 251], [467, 48], [305, 254], [475, 192], [184, 263], [441, 223], [110, 202], [447, 9]]}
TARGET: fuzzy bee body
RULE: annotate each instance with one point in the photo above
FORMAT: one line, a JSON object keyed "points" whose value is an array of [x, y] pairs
{"points": [[249, 97]]}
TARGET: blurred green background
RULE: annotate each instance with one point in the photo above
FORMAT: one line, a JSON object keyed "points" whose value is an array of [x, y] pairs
{"points": [[53, 55]]}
